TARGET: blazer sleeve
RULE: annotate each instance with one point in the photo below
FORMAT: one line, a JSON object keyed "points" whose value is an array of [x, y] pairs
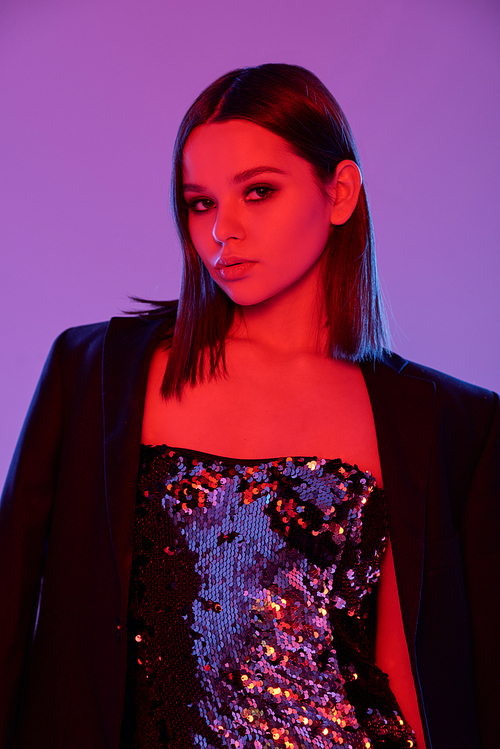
{"points": [[481, 551], [25, 512]]}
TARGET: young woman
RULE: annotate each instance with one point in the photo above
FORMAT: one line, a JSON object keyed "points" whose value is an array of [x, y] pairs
{"points": [[219, 586]]}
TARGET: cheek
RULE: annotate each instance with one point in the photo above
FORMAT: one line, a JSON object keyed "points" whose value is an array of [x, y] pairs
{"points": [[302, 234], [200, 231]]}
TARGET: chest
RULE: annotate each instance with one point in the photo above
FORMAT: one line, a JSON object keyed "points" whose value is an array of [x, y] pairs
{"points": [[267, 410]]}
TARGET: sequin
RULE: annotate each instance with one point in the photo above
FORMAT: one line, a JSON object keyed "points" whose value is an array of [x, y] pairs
{"points": [[251, 588]]}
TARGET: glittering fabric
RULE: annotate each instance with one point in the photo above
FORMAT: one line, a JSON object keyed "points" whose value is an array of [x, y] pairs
{"points": [[251, 586]]}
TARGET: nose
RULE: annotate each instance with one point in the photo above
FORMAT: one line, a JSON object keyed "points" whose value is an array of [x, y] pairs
{"points": [[228, 224]]}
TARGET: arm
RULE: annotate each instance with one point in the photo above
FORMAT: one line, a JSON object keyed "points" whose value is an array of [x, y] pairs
{"points": [[25, 510], [480, 534], [391, 651]]}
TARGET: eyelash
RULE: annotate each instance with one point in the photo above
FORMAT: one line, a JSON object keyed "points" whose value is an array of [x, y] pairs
{"points": [[191, 206]]}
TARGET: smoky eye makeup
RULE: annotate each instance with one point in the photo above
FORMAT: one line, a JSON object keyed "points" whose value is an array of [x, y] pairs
{"points": [[252, 194], [262, 192], [199, 205]]}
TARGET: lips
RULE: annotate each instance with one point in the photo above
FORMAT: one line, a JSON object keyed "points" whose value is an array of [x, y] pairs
{"points": [[237, 270], [232, 267], [226, 260]]}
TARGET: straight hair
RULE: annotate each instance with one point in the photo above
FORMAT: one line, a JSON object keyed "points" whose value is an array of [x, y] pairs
{"points": [[291, 102]]}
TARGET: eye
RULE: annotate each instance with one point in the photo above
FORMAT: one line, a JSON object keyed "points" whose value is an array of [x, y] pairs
{"points": [[200, 205], [260, 193]]}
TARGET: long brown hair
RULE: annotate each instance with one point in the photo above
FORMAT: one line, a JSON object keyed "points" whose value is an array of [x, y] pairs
{"points": [[291, 102]]}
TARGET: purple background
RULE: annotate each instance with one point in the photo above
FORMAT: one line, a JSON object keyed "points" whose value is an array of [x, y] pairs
{"points": [[92, 92]]}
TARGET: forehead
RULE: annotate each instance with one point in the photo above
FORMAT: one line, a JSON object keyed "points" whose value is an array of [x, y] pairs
{"points": [[227, 148]]}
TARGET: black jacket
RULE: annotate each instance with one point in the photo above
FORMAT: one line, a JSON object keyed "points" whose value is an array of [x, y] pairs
{"points": [[67, 516]]}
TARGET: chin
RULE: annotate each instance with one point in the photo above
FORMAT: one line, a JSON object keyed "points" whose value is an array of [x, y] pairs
{"points": [[248, 297]]}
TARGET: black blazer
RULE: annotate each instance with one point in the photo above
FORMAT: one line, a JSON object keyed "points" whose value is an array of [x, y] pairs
{"points": [[67, 516]]}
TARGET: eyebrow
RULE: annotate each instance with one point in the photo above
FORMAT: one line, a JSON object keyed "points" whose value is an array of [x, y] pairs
{"points": [[238, 178]]}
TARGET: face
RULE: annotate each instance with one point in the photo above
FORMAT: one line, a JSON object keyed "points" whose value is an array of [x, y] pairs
{"points": [[257, 217]]}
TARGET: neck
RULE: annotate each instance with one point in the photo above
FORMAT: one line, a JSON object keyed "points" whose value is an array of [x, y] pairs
{"points": [[291, 322]]}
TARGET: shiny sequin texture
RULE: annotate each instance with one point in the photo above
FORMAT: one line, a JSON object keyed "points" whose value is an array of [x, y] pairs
{"points": [[249, 606]]}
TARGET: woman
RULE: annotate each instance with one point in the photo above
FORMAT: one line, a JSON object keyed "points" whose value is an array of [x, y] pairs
{"points": [[217, 586]]}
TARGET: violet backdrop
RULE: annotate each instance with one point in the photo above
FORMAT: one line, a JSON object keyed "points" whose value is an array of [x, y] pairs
{"points": [[92, 92]]}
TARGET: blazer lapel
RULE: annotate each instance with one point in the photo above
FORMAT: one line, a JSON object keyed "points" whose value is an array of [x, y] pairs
{"points": [[128, 347], [403, 409]]}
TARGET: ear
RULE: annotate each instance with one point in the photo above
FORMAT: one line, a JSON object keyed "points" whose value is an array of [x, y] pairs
{"points": [[344, 191]]}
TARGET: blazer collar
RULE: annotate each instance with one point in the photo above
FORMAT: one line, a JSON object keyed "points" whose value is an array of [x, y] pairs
{"points": [[403, 409]]}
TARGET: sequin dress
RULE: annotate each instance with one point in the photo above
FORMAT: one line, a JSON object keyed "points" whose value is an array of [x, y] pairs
{"points": [[251, 588]]}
